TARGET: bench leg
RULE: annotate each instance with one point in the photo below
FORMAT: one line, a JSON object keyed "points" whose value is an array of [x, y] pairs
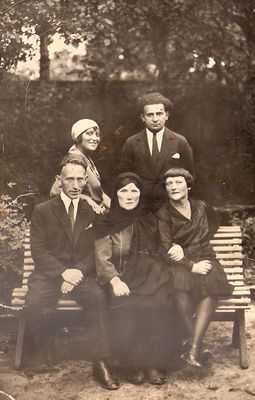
{"points": [[239, 337], [20, 340], [235, 334]]}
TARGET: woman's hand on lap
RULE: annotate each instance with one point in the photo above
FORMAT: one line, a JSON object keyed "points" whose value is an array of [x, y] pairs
{"points": [[119, 287], [175, 252], [202, 267]]}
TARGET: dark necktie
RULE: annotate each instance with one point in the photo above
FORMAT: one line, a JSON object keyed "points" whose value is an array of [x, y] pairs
{"points": [[155, 150], [71, 214]]}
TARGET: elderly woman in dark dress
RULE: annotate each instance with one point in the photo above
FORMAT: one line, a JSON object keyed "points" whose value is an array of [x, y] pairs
{"points": [[198, 278], [140, 301]]}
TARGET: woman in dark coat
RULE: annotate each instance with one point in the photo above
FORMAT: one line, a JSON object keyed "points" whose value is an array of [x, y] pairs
{"points": [[137, 282], [198, 278]]}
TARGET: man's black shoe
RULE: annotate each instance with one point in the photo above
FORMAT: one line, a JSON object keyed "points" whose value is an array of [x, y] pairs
{"points": [[103, 375]]}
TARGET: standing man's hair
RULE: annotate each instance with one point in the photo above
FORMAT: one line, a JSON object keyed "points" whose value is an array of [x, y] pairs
{"points": [[153, 98]]}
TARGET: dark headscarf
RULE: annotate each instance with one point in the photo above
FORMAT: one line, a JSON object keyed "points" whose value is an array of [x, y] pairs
{"points": [[118, 218]]}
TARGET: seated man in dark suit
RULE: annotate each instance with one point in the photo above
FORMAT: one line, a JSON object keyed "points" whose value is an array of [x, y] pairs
{"points": [[62, 246], [154, 150]]}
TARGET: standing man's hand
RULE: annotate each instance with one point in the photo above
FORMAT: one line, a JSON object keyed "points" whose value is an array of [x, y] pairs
{"points": [[73, 276]]}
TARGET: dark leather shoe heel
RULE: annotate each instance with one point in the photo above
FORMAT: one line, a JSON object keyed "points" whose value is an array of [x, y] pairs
{"points": [[103, 375]]}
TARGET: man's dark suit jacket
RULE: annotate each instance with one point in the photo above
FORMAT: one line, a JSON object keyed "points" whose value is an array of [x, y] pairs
{"points": [[136, 157], [53, 245]]}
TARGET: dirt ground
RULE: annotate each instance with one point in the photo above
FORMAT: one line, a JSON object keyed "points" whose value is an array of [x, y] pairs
{"points": [[220, 379]]}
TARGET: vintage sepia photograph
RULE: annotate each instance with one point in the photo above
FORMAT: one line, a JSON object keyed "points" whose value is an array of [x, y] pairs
{"points": [[127, 207]]}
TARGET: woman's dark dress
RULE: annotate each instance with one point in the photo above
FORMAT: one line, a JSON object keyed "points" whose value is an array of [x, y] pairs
{"points": [[193, 235], [144, 331]]}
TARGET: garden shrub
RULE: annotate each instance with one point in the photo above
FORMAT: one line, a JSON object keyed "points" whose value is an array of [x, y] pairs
{"points": [[247, 224], [13, 225]]}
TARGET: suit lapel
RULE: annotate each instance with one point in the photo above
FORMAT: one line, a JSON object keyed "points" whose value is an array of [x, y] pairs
{"points": [[164, 152], [83, 219], [60, 212], [144, 151]]}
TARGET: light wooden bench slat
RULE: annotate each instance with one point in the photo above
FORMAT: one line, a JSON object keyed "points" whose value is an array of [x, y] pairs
{"points": [[216, 242], [231, 247], [229, 256], [233, 270], [231, 262], [231, 228], [228, 234]]}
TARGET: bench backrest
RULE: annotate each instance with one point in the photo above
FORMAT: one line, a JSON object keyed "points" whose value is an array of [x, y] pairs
{"points": [[227, 244]]}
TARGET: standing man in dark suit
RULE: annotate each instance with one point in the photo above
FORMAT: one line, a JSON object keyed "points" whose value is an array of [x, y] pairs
{"points": [[62, 247], [151, 152]]}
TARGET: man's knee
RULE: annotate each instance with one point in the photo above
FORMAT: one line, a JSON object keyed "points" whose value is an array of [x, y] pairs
{"points": [[42, 293]]}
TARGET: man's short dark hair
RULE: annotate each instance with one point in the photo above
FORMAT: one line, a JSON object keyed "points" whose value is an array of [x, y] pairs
{"points": [[77, 159], [154, 98]]}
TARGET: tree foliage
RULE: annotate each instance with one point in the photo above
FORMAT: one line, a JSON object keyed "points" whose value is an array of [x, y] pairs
{"points": [[160, 39]]}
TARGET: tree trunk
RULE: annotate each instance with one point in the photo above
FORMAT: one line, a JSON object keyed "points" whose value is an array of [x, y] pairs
{"points": [[44, 57]]}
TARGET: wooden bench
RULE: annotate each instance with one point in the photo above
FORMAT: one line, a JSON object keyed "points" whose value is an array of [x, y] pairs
{"points": [[227, 243]]}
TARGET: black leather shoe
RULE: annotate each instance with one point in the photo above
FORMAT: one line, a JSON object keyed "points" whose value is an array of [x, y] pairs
{"points": [[154, 377], [136, 376], [103, 375]]}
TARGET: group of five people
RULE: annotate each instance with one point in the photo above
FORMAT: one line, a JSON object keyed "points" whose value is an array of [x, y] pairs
{"points": [[140, 263]]}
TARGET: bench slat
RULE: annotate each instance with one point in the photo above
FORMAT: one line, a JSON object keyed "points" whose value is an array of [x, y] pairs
{"points": [[231, 262], [233, 270], [225, 241], [228, 234], [229, 256], [232, 228], [230, 248], [244, 300]]}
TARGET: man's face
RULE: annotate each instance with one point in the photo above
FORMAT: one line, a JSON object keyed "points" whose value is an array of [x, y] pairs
{"points": [[154, 116], [73, 179]]}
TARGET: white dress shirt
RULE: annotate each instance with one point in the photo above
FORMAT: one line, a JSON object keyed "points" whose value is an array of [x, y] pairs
{"points": [[66, 200], [159, 138]]}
